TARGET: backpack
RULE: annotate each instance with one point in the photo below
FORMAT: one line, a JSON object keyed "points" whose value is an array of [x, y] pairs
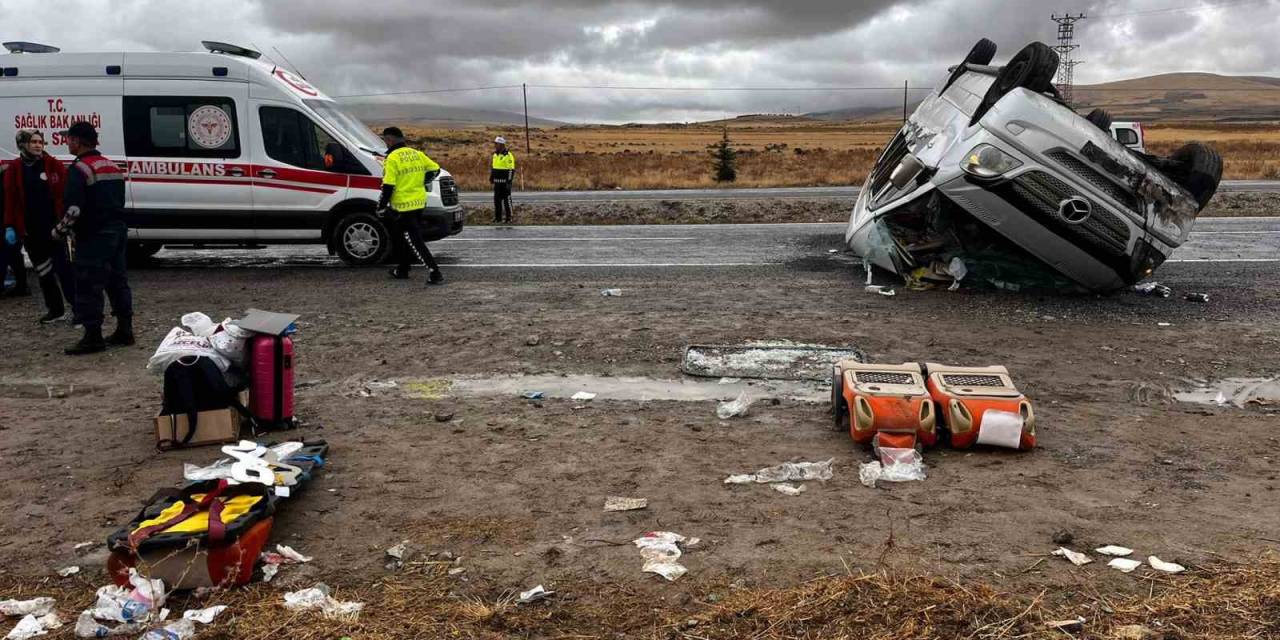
{"points": [[192, 385]]}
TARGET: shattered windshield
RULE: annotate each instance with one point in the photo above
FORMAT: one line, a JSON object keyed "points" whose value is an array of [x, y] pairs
{"points": [[349, 125]]}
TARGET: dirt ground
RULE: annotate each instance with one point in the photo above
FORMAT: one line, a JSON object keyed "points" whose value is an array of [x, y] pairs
{"points": [[516, 488], [1231, 205]]}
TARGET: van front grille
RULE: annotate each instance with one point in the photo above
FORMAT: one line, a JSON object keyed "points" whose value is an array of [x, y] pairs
{"points": [[1095, 178]]}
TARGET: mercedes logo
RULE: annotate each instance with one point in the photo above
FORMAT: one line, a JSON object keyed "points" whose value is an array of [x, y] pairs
{"points": [[1075, 210]]}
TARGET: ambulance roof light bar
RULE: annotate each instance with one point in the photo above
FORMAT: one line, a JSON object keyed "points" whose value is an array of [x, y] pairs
{"points": [[30, 47], [230, 49]]}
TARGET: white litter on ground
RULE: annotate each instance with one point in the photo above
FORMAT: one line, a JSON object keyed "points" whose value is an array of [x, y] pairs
{"points": [[583, 396], [318, 597], [534, 595], [180, 629], [1114, 550], [283, 555], [1124, 564], [204, 616], [1075, 557], [789, 489], [1167, 567], [734, 408], [616, 503], [661, 550], [786, 472], [35, 606], [31, 626], [68, 571]]}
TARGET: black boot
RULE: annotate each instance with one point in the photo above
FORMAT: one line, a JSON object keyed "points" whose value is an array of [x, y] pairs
{"points": [[92, 342], [123, 336], [52, 317], [435, 277], [397, 274]]}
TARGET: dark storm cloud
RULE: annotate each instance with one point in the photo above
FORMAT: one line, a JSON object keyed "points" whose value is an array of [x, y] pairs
{"points": [[396, 45]]}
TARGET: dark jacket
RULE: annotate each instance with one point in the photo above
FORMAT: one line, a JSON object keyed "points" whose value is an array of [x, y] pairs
{"points": [[15, 201], [95, 194]]}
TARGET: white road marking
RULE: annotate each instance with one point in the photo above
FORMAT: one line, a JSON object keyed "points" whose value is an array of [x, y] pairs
{"points": [[1225, 260], [615, 265], [537, 239]]}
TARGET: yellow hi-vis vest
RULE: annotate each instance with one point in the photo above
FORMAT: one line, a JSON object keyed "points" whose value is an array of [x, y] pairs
{"points": [[406, 169], [505, 161]]}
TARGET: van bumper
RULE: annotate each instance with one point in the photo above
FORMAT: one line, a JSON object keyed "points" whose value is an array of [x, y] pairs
{"points": [[439, 223]]}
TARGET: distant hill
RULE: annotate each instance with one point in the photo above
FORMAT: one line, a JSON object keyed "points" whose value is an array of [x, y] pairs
{"points": [[1170, 96], [422, 115]]}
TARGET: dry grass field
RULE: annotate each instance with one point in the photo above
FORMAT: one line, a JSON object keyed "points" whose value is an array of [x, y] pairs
{"points": [[774, 152]]}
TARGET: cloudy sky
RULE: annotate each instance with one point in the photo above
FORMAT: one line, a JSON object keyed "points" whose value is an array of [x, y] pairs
{"points": [[377, 46]]}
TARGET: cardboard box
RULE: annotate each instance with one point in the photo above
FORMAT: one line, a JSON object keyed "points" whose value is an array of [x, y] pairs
{"points": [[212, 427]]}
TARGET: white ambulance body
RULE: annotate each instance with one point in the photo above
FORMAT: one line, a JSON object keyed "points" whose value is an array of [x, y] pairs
{"points": [[221, 147]]}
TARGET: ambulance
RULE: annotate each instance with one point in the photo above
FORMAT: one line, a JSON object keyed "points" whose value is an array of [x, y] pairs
{"points": [[221, 147]]}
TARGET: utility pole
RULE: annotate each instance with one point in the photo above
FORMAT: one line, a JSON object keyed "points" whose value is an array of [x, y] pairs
{"points": [[524, 90], [905, 85], [1065, 49]]}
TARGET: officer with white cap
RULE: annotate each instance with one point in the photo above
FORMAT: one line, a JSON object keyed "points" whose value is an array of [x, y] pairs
{"points": [[502, 175]]}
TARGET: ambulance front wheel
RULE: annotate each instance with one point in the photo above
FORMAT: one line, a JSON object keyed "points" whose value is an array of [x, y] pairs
{"points": [[362, 239]]}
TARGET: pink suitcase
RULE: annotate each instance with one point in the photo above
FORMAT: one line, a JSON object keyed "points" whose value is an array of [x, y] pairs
{"points": [[271, 381]]}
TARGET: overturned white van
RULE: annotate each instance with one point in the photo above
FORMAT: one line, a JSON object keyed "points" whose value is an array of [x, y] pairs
{"points": [[221, 147]]}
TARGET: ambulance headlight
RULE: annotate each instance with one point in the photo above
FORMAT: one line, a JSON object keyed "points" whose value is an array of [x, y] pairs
{"points": [[986, 161]]}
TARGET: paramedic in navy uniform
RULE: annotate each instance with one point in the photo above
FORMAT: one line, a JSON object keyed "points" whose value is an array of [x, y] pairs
{"points": [[94, 201]]}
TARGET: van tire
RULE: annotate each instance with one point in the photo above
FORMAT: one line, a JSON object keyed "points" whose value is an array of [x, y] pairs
{"points": [[1032, 68], [1101, 119], [361, 239], [1199, 171], [982, 53], [140, 253]]}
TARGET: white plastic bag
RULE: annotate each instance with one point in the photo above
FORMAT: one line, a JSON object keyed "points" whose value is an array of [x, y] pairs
{"points": [[232, 342], [199, 324], [181, 343], [734, 408], [900, 465]]}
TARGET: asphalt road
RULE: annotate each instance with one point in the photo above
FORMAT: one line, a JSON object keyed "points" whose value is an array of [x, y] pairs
{"points": [[1215, 240], [781, 193]]}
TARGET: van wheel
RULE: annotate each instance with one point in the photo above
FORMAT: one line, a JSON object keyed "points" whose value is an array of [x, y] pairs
{"points": [[140, 253], [362, 239], [982, 53], [1100, 119], [1199, 171], [1033, 69]]}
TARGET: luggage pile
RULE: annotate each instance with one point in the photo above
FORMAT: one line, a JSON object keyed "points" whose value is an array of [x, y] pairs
{"points": [[911, 406], [218, 378], [210, 531]]}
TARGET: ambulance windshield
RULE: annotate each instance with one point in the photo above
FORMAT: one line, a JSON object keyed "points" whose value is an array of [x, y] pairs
{"points": [[349, 125]]}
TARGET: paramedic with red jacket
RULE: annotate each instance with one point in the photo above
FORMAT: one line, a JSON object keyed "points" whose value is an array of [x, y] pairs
{"points": [[33, 184], [95, 215]]}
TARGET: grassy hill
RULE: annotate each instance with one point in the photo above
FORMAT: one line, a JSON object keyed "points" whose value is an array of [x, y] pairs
{"points": [[1186, 96]]}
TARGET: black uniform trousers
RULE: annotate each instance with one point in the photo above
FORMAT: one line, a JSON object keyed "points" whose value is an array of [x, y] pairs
{"points": [[502, 202], [99, 266], [409, 244], [52, 267]]}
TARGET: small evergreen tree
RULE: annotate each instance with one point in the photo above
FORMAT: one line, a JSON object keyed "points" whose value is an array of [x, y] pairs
{"points": [[726, 160]]}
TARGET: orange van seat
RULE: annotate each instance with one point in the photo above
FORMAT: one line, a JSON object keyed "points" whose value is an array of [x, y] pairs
{"points": [[885, 403], [964, 395]]}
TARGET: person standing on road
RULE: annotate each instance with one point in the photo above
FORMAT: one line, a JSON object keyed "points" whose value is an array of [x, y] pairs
{"points": [[33, 184], [94, 199], [502, 175], [407, 175]]}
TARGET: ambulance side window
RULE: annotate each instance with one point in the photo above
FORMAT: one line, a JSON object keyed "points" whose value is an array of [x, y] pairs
{"points": [[181, 127], [289, 136]]}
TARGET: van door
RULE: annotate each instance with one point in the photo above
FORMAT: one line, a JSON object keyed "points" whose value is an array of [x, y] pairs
{"points": [[188, 162], [293, 187]]}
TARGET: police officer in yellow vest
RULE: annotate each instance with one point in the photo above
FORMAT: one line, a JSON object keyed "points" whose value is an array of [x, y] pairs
{"points": [[407, 175], [502, 176]]}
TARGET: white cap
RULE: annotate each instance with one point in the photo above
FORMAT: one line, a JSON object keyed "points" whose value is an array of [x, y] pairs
{"points": [[500, 140]]}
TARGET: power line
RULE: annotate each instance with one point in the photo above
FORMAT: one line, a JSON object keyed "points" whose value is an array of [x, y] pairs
{"points": [[1187, 8], [641, 88], [418, 91]]}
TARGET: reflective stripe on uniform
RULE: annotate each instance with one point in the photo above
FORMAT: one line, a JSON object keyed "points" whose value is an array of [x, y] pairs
{"points": [[90, 176]]}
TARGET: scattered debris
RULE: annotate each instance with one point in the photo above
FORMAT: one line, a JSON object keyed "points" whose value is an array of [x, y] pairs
{"points": [[1133, 632], [532, 395], [734, 408], [583, 396], [771, 361], [284, 554], [1153, 289], [1114, 550], [786, 472], [1124, 565], [1167, 567], [887, 292], [1066, 625], [661, 550], [1075, 557], [31, 626], [88, 627], [868, 473], [615, 503], [456, 571], [901, 465], [35, 606], [1196, 297], [1063, 536], [204, 616], [122, 604], [397, 556], [1164, 324], [534, 595], [1238, 392], [84, 545], [611, 293], [177, 630], [789, 489], [443, 416], [533, 341], [67, 572], [318, 597]]}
